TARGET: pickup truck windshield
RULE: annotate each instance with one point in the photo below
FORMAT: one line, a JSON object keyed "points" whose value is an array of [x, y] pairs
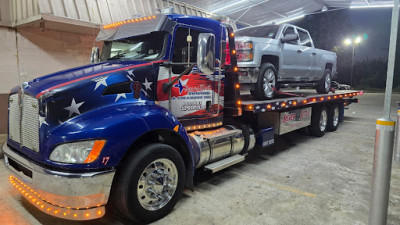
{"points": [[144, 47], [260, 31]]}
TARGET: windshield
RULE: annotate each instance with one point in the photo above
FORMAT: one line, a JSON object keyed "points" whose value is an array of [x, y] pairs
{"points": [[144, 47], [260, 31]]}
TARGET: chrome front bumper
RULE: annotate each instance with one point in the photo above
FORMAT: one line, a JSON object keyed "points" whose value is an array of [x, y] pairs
{"points": [[75, 196]]}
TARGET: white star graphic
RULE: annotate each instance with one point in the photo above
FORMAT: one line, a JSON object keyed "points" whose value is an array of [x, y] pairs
{"points": [[42, 120], [123, 95], [74, 107], [130, 72], [101, 81], [184, 82], [130, 75], [147, 84]]}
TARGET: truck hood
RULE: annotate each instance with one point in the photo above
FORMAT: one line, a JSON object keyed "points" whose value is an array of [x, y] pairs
{"points": [[46, 85]]}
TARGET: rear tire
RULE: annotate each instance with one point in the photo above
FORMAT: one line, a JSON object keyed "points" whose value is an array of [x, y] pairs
{"points": [[333, 117], [324, 85], [319, 120], [266, 82], [149, 183]]}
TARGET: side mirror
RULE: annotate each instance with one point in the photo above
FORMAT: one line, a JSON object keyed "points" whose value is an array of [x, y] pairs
{"points": [[206, 53], [290, 38], [95, 56]]}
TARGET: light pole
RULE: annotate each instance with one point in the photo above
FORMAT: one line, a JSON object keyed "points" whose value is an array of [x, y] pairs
{"points": [[353, 43]]}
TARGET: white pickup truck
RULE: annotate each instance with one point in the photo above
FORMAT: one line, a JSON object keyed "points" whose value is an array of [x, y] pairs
{"points": [[274, 56]]}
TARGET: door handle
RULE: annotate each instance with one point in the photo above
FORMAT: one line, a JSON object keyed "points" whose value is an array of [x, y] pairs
{"points": [[299, 51], [314, 53]]}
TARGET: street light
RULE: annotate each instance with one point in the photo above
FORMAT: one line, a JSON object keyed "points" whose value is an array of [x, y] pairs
{"points": [[353, 43]]}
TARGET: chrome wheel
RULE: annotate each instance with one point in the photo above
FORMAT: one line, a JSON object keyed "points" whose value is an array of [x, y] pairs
{"points": [[323, 120], [157, 184], [269, 83], [327, 82], [335, 117]]}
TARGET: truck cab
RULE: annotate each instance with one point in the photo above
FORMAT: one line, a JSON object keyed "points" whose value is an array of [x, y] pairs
{"points": [[77, 137]]}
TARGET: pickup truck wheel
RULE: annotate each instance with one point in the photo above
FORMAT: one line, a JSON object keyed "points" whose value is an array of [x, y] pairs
{"points": [[319, 120], [266, 82], [333, 117], [324, 85], [150, 183]]}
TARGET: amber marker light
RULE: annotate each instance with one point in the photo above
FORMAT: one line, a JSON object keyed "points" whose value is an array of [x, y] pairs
{"points": [[233, 51], [232, 34], [95, 152], [283, 104], [340, 96], [321, 99], [269, 106], [314, 100], [335, 97], [304, 101], [235, 69], [99, 212], [239, 102], [237, 86], [250, 107]]}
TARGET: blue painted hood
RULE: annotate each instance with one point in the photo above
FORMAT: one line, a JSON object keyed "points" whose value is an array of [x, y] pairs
{"points": [[65, 79]]}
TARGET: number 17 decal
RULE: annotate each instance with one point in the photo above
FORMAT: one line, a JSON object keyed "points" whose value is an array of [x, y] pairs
{"points": [[105, 160]]}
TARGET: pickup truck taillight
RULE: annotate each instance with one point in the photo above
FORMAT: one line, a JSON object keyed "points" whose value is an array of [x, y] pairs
{"points": [[244, 51]]}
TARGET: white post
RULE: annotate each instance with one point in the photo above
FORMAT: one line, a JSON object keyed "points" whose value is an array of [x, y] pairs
{"points": [[384, 139]]}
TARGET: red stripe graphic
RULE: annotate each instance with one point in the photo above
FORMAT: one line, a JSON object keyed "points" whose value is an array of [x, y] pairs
{"points": [[95, 75]]}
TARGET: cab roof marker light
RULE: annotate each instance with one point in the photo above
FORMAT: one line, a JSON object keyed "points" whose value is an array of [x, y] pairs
{"points": [[117, 24]]}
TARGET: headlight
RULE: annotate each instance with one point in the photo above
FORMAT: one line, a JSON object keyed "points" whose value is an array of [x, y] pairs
{"points": [[244, 56], [248, 45], [78, 152]]}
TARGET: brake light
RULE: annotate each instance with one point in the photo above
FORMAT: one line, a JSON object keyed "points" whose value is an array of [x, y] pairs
{"points": [[227, 54]]}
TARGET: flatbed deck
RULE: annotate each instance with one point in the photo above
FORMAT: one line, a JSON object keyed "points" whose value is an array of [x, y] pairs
{"points": [[294, 99]]}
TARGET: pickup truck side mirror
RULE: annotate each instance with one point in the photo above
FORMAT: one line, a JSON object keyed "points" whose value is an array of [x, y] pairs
{"points": [[95, 56], [206, 53], [290, 38]]}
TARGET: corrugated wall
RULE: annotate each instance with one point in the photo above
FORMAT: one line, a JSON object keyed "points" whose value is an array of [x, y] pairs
{"points": [[95, 11], [4, 13]]}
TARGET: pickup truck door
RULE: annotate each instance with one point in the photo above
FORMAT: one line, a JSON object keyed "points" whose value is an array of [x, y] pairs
{"points": [[308, 55], [294, 65], [193, 95]]}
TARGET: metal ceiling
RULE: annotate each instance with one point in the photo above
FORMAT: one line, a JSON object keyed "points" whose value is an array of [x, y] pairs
{"points": [[257, 12]]}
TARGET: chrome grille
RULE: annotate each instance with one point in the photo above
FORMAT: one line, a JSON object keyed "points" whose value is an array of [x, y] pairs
{"points": [[14, 128], [30, 123], [24, 128]]}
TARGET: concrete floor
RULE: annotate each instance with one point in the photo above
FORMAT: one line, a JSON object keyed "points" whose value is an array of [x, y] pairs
{"points": [[301, 180]]}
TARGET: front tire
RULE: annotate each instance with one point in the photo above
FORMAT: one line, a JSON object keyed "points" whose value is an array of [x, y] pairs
{"points": [[266, 82], [324, 85], [149, 183]]}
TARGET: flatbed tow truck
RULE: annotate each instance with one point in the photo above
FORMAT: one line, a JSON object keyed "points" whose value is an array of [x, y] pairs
{"points": [[130, 130]]}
